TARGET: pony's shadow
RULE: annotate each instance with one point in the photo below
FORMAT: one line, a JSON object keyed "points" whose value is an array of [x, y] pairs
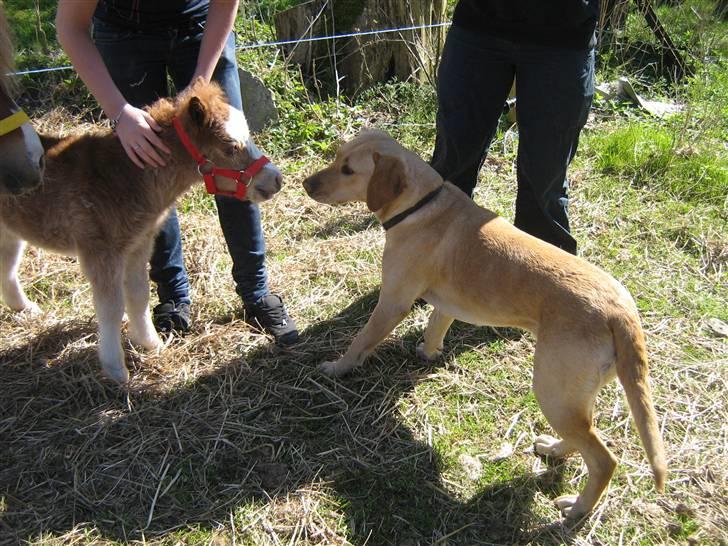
{"points": [[258, 430]]}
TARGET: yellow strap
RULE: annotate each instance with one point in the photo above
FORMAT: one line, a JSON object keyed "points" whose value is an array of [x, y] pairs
{"points": [[12, 122]]}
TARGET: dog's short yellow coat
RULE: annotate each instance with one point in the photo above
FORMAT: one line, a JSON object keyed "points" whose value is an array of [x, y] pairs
{"points": [[474, 266]]}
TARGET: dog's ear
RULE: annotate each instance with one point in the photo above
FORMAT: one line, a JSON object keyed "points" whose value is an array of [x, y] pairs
{"points": [[387, 182], [198, 112]]}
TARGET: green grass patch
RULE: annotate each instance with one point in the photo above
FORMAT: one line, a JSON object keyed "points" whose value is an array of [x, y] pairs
{"points": [[651, 156]]}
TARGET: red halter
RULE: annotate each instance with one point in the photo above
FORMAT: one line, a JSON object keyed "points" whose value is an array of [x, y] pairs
{"points": [[243, 178]]}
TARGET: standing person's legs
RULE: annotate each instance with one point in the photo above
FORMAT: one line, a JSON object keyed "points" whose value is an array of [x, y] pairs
{"points": [[137, 63], [474, 78], [240, 220], [554, 92]]}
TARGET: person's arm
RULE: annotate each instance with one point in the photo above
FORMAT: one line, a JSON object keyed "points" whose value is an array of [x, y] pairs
{"points": [[134, 127], [220, 18]]}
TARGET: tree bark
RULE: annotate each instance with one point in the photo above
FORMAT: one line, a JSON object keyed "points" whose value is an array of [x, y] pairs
{"points": [[355, 63]]}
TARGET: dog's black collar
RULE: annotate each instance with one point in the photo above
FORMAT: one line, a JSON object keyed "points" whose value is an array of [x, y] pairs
{"points": [[414, 208]]}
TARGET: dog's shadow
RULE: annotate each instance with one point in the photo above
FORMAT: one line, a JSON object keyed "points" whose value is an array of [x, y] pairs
{"points": [[351, 223], [266, 430]]}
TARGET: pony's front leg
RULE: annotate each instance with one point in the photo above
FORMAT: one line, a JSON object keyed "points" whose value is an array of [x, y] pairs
{"points": [[136, 296], [104, 272]]}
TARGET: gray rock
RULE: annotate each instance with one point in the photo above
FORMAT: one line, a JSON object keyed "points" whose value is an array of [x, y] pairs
{"points": [[257, 102]]}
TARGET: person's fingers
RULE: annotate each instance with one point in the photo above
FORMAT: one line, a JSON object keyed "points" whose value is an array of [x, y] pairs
{"points": [[130, 152], [146, 153], [150, 154], [158, 143], [151, 121], [136, 131]]}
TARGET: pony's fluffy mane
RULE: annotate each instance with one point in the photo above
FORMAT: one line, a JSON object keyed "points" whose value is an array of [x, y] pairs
{"points": [[209, 94], [6, 55]]}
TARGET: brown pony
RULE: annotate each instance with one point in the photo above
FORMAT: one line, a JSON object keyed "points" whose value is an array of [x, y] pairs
{"points": [[21, 153], [97, 205]]}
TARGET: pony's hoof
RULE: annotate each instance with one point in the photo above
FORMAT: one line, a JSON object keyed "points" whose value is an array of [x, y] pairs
{"points": [[118, 374], [150, 343], [32, 309]]}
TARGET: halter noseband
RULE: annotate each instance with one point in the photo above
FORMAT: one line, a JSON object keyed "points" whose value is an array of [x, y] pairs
{"points": [[209, 170]]}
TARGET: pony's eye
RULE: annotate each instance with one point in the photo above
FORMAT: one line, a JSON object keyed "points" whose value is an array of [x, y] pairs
{"points": [[233, 149], [347, 170]]}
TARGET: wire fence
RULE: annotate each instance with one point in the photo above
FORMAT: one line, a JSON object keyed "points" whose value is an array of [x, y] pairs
{"points": [[278, 43]]}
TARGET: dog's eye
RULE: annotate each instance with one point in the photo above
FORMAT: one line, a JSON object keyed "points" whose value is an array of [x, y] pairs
{"points": [[347, 170]]}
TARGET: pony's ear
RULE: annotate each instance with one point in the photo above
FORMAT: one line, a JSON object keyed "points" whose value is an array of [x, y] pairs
{"points": [[198, 112], [387, 182]]}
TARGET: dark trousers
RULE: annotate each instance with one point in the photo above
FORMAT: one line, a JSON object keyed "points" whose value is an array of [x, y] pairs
{"points": [[554, 89], [140, 64]]}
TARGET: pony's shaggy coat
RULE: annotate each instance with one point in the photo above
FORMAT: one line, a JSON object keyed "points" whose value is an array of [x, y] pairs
{"points": [[97, 205]]}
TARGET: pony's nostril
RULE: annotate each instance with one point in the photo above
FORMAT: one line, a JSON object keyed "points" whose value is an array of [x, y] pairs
{"points": [[279, 181], [42, 162]]}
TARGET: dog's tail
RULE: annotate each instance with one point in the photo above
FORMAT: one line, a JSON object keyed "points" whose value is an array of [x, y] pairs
{"points": [[632, 370]]}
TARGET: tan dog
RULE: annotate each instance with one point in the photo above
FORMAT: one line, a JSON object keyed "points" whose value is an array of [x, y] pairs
{"points": [[97, 205], [474, 266]]}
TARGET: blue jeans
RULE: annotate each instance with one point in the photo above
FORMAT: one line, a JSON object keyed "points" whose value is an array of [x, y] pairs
{"points": [[140, 63], [554, 89]]}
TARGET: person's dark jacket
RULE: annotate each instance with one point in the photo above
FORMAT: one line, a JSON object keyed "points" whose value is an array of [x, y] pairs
{"points": [[560, 23]]}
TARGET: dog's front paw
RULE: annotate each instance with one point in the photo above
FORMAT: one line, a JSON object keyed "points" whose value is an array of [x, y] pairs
{"points": [[550, 446], [424, 355], [332, 369], [569, 506]]}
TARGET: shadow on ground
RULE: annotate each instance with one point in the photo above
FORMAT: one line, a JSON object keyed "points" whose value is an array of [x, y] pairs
{"points": [[77, 451], [346, 224]]}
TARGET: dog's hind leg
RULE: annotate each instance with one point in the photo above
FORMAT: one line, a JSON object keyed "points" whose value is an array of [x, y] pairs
{"points": [[136, 296], [104, 272], [11, 251], [566, 379], [437, 327], [566, 384]]}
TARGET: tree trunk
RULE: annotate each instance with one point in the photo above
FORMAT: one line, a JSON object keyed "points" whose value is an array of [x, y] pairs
{"points": [[355, 63]]}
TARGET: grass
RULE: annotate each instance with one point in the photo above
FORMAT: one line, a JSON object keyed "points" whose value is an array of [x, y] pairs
{"points": [[224, 439]]}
